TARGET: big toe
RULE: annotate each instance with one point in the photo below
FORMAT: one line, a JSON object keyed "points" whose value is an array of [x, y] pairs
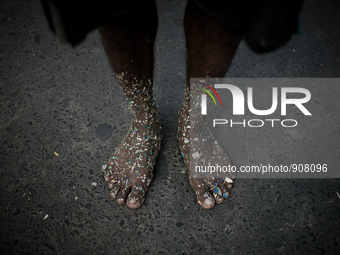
{"points": [[208, 203], [204, 197], [136, 197], [134, 203]]}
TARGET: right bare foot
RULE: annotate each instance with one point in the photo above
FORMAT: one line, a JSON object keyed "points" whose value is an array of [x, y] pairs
{"points": [[130, 169], [129, 172]]}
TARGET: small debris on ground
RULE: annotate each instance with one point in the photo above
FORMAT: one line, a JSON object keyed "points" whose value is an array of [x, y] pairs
{"points": [[56, 154], [45, 216], [94, 184]]}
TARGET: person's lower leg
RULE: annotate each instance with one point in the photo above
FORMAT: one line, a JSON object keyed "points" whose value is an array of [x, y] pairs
{"points": [[129, 43], [211, 46]]}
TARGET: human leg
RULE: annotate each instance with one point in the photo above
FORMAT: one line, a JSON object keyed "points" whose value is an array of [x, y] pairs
{"points": [[129, 43], [211, 46]]}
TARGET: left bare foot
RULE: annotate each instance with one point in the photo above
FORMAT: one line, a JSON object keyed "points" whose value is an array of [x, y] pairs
{"points": [[209, 190]]}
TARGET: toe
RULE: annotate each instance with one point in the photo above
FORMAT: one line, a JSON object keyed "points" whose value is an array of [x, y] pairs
{"points": [[110, 171], [224, 188], [113, 182], [122, 194], [107, 177], [204, 196], [228, 182], [135, 199], [137, 194], [216, 188], [115, 189], [218, 195], [132, 203], [206, 200]]}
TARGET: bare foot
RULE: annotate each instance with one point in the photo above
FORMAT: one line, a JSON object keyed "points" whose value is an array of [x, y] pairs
{"points": [[129, 172], [209, 190], [130, 169]]}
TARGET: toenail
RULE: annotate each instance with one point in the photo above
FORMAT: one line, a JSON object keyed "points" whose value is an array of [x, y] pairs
{"points": [[132, 201], [208, 201]]}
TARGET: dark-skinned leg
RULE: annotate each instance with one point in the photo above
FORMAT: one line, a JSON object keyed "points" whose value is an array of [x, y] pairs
{"points": [[129, 45], [211, 46]]}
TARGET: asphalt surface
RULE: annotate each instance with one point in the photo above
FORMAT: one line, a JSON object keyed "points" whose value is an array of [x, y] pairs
{"points": [[63, 113]]}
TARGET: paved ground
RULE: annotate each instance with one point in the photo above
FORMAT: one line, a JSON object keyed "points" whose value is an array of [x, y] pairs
{"points": [[57, 99]]}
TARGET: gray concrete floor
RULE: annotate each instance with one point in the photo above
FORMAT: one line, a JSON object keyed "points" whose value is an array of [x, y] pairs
{"points": [[54, 98]]}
